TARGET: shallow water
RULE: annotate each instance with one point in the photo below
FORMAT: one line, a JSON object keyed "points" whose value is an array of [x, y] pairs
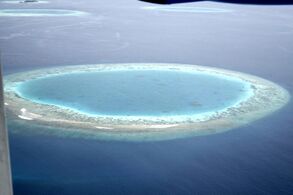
{"points": [[186, 9], [38, 12], [142, 93], [20, 2]]}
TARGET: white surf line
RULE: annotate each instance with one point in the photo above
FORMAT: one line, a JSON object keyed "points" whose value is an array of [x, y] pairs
{"points": [[101, 127], [25, 118], [157, 126], [28, 115]]}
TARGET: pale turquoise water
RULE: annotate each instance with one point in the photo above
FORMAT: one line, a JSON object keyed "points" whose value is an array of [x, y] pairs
{"points": [[185, 9], [135, 93], [38, 12]]}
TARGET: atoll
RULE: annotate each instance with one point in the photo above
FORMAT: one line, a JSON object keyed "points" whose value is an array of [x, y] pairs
{"points": [[262, 98]]}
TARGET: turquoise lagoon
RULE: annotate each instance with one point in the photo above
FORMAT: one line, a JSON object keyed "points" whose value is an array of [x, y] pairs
{"points": [[136, 92], [140, 101]]}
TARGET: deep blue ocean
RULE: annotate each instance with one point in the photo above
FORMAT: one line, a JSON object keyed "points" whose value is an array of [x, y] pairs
{"points": [[253, 159]]}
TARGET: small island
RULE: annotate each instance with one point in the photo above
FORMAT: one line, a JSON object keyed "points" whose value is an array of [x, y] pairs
{"points": [[139, 102]]}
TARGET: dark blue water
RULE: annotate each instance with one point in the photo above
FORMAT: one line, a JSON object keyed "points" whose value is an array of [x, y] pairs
{"points": [[251, 160], [254, 159], [143, 93]]}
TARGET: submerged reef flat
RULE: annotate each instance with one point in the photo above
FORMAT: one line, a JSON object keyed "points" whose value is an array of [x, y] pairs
{"points": [[185, 9], [24, 2], [138, 102], [39, 12]]}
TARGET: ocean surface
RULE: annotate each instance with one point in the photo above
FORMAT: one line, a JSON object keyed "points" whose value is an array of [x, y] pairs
{"points": [[253, 159], [36, 12], [136, 93]]}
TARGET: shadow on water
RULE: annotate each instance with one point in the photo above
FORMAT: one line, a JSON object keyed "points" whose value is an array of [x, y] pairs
{"points": [[256, 2]]}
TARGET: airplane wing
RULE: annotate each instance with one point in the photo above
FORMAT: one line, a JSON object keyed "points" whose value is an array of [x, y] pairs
{"points": [[5, 171]]}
